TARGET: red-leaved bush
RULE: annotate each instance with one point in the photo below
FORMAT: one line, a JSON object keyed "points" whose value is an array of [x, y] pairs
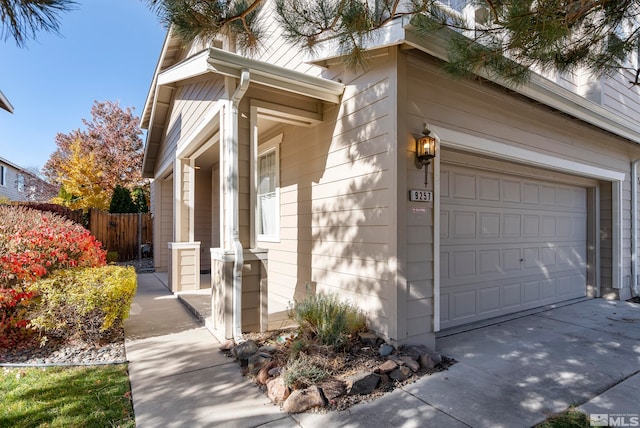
{"points": [[34, 244]]}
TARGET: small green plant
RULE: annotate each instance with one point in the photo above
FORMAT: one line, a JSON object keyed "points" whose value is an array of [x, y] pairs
{"points": [[329, 320], [303, 372], [85, 303], [112, 257], [297, 346]]}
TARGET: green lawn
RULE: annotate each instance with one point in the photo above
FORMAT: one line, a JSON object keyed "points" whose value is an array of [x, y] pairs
{"points": [[66, 397], [569, 419]]}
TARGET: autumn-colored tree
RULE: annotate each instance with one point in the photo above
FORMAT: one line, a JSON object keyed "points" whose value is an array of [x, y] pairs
{"points": [[35, 187], [80, 178], [113, 138]]}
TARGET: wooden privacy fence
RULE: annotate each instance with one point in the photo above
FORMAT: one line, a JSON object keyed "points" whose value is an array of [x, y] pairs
{"points": [[130, 235]]}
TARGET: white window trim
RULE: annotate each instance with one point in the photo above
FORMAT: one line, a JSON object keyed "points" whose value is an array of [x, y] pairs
{"points": [[3, 175], [271, 145]]}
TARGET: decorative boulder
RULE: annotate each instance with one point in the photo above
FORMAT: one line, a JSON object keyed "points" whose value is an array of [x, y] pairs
{"points": [[411, 363], [385, 349], [258, 361], [387, 366], [245, 349], [277, 390], [362, 383], [400, 374], [302, 400]]}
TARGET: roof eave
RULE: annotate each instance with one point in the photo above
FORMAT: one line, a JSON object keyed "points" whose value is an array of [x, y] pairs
{"points": [[5, 104]]}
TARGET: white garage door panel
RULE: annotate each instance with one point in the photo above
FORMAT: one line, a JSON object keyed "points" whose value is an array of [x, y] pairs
{"points": [[508, 244]]}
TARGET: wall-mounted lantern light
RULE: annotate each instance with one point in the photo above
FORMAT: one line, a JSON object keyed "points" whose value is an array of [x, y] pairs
{"points": [[425, 151]]}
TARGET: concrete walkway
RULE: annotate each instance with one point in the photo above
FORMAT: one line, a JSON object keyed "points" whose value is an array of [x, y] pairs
{"points": [[512, 374]]}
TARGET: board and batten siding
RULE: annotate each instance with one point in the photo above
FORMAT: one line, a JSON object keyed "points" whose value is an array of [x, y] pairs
{"points": [[486, 111], [336, 199]]}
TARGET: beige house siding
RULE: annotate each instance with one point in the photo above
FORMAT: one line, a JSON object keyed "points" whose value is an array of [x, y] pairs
{"points": [[337, 193], [620, 97], [275, 50], [190, 104], [161, 192]]}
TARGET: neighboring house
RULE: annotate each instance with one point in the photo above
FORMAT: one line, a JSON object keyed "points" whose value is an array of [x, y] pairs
{"points": [[19, 184], [284, 177], [5, 104]]}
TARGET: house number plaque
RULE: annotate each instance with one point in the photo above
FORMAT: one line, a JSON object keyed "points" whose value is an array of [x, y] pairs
{"points": [[420, 196]]}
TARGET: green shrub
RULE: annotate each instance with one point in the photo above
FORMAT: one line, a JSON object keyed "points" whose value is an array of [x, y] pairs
{"points": [[88, 303], [121, 201], [303, 372], [112, 256], [329, 320]]}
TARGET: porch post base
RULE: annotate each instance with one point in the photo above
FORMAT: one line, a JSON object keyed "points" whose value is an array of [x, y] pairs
{"points": [[254, 292], [184, 266]]}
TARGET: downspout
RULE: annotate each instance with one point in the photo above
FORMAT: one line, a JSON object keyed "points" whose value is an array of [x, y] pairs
{"points": [[634, 222], [235, 217]]}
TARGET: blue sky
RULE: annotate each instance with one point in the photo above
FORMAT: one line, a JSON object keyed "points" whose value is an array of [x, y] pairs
{"points": [[107, 50]]}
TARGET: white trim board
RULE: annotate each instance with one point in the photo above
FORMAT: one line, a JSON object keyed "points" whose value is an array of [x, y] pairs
{"points": [[472, 143]]}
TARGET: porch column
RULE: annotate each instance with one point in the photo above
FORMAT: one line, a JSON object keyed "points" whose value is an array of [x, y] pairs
{"points": [[184, 252]]}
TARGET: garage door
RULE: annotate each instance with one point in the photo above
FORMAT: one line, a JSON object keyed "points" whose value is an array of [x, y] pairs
{"points": [[508, 243]]}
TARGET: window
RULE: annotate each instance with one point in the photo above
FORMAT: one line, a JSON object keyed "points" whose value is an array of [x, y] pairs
{"points": [[268, 192], [20, 183], [3, 175]]}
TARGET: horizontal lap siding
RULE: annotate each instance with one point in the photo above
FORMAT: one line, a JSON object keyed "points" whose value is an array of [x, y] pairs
{"points": [[10, 187], [335, 183], [621, 98]]}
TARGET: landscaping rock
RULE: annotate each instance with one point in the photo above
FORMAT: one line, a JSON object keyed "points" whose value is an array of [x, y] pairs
{"points": [[426, 362], [258, 361], [387, 366], [227, 346], [411, 363], [244, 350], [269, 349], [263, 375], [400, 374], [385, 349], [362, 383], [333, 388], [436, 358], [412, 352], [277, 390], [368, 339], [275, 371], [302, 400]]}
